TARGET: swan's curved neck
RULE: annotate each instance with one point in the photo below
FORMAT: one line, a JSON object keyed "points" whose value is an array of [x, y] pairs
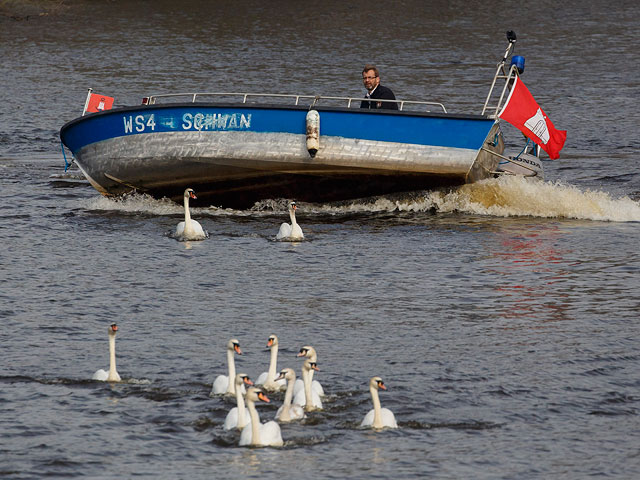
{"points": [[286, 404], [292, 216], [187, 213], [377, 411], [312, 356], [232, 372], [255, 423], [273, 364], [113, 373], [242, 421], [306, 379]]}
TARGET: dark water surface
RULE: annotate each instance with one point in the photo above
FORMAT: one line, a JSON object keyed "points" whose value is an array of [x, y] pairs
{"points": [[502, 316]]}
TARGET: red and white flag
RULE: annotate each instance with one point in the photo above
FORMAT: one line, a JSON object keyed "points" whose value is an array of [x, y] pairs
{"points": [[98, 103], [522, 111]]}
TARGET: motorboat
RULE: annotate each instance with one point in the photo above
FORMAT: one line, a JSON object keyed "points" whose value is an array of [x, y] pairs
{"points": [[235, 149]]}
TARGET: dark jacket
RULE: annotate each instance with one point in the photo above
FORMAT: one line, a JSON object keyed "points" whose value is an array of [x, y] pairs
{"points": [[383, 93]]}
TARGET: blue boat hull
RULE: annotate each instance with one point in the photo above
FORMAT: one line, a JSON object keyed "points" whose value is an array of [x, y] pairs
{"points": [[236, 154]]}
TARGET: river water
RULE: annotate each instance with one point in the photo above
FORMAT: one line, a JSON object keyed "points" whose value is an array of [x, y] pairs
{"points": [[502, 316]]}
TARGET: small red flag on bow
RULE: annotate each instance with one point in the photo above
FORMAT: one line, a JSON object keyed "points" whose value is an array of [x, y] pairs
{"points": [[98, 103]]}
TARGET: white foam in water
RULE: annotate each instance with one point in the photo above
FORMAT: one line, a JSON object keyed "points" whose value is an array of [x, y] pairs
{"points": [[135, 203], [517, 196], [505, 196], [142, 203], [509, 196]]}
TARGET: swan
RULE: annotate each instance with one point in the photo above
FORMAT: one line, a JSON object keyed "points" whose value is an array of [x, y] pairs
{"points": [[378, 417], [309, 352], [238, 417], [258, 434], [222, 384], [293, 231], [112, 376], [288, 412], [308, 398], [268, 379], [189, 229]]}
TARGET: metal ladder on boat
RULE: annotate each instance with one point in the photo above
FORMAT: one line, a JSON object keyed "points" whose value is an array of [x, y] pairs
{"points": [[492, 105]]}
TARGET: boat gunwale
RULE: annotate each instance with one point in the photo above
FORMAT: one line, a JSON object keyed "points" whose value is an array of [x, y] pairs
{"points": [[264, 106]]}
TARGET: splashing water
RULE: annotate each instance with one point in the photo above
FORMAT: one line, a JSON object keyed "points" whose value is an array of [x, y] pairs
{"points": [[506, 196], [510, 196], [143, 203], [517, 196], [135, 203]]}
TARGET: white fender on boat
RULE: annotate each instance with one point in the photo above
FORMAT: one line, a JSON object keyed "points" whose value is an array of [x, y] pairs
{"points": [[313, 132]]}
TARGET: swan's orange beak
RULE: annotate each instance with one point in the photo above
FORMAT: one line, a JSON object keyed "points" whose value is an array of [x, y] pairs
{"points": [[270, 343], [192, 195], [236, 347], [302, 353], [263, 397], [114, 327], [314, 367], [381, 386], [247, 381]]}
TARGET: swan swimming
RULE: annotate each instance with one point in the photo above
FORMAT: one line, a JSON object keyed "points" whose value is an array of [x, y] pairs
{"points": [[112, 376], [308, 398], [288, 411], [291, 232], [222, 384], [378, 417], [309, 352], [258, 434], [268, 379], [238, 417], [189, 229]]}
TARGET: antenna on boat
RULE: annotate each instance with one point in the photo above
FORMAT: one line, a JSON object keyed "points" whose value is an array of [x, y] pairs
{"points": [[511, 36]]}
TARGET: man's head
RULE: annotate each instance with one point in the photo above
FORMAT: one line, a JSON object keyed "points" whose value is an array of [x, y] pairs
{"points": [[370, 77]]}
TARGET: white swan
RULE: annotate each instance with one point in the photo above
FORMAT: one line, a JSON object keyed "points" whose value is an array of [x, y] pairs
{"points": [[308, 398], [268, 379], [112, 376], [290, 232], [288, 412], [222, 384], [378, 417], [238, 417], [189, 229], [258, 434], [309, 352]]}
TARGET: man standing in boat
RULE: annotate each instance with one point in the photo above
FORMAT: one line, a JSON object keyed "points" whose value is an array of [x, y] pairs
{"points": [[371, 79]]}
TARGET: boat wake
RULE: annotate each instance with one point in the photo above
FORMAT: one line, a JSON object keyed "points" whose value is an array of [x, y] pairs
{"points": [[510, 196], [517, 196], [506, 196], [142, 203]]}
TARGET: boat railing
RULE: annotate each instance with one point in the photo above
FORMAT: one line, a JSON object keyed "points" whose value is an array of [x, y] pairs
{"points": [[310, 100]]}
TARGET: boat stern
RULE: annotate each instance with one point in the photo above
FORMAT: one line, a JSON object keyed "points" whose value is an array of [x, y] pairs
{"points": [[488, 157]]}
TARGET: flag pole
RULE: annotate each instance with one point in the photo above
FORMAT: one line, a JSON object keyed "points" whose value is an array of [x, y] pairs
{"points": [[86, 103]]}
